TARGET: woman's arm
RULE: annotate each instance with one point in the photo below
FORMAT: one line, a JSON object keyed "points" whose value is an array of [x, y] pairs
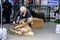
{"points": [[15, 17]]}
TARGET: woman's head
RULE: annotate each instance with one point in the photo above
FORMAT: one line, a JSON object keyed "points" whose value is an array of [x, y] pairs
{"points": [[23, 10]]}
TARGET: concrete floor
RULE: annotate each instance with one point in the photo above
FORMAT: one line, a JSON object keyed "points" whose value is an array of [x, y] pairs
{"points": [[46, 33]]}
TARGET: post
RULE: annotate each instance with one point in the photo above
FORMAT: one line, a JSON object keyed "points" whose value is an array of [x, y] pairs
{"points": [[59, 6], [1, 13], [49, 14]]}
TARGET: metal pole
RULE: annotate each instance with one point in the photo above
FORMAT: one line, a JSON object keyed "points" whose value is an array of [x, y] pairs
{"points": [[1, 18], [58, 9], [59, 6], [33, 1], [1, 14], [49, 14]]}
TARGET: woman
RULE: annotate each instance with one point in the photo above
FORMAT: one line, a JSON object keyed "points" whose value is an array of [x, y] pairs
{"points": [[24, 14]]}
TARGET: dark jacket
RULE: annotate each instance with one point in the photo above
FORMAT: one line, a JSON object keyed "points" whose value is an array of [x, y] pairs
{"points": [[28, 14], [6, 11]]}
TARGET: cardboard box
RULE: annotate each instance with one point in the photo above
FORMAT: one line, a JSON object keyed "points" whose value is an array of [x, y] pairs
{"points": [[37, 23]]}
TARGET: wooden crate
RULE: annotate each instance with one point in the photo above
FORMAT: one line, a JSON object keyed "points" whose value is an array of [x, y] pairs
{"points": [[37, 23]]}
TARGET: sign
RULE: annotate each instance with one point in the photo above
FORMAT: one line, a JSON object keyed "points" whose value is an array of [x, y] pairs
{"points": [[52, 2], [44, 2], [57, 28]]}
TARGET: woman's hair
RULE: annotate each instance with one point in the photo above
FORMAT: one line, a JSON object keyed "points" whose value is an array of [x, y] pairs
{"points": [[22, 8]]}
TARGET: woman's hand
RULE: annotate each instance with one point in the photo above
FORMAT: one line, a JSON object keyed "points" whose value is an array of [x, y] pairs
{"points": [[13, 22]]}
